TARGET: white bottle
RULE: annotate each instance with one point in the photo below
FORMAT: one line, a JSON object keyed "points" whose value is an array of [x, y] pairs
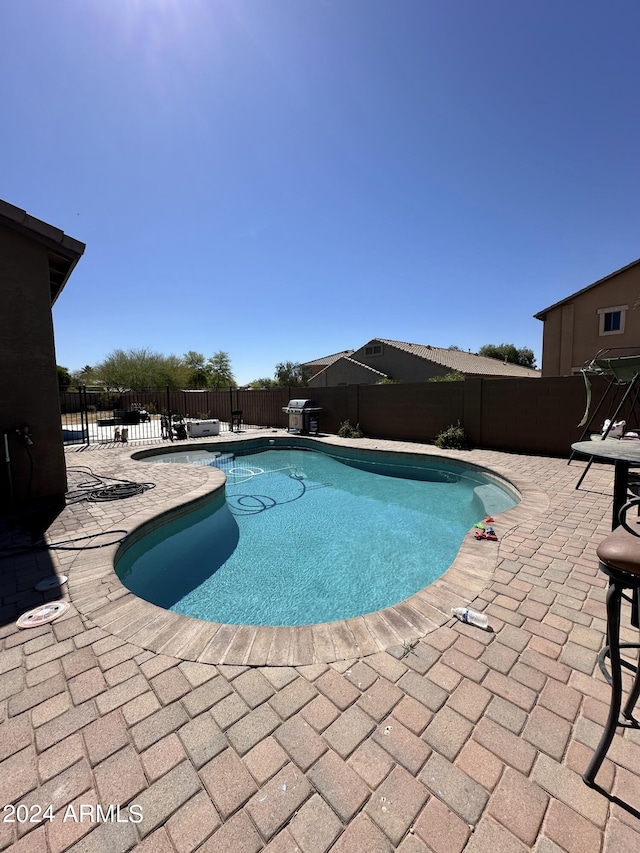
{"points": [[471, 617]]}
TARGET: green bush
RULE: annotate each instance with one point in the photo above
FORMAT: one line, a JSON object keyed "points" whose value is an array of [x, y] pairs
{"points": [[348, 431], [454, 376], [452, 438], [109, 401]]}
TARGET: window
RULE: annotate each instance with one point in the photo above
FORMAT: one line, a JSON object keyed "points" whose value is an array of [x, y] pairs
{"points": [[374, 349], [612, 319]]}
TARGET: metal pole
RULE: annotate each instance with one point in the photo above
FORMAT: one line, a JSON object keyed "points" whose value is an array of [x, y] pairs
{"points": [[85, 409]]}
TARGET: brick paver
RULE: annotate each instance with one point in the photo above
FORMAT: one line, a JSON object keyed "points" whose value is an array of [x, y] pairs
{"points": [[466, 741], [316, 826], [441, 828], [396, 802]]}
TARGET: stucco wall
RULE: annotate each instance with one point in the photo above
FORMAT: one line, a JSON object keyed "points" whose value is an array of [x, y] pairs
{"points": [[28, 377], [343, 372], [398, 364], [572, 330]]}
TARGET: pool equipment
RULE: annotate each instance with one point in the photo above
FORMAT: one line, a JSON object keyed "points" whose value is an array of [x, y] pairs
{"points": [[43, 614], [52, 582]]}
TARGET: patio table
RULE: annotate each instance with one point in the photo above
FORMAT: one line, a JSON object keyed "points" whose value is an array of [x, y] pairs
{"points": [[623, 454]]}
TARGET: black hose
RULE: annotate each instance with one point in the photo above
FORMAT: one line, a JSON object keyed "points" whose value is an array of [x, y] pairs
{"points": [[98, 490], [64, 544]]}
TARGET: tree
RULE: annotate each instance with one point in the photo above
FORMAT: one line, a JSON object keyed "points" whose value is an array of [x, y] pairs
{"points": [[173, 372], [453, 376], [83, 376], [290, 373], [138, 369], [64, 377], [196, 364], [219, 370], [261, 384], [508, 352]]}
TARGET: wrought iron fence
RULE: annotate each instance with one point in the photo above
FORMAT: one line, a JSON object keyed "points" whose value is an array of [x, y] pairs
{"points": [[103, 417]]}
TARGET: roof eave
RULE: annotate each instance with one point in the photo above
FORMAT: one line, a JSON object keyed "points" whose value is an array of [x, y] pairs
{"points": [[63, 251], [541, 315]]}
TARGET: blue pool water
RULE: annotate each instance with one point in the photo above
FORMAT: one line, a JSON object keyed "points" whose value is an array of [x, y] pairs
{"points": [[303, 537]]}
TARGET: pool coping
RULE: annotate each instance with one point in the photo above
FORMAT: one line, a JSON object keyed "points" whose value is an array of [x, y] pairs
{"points": [[97, 592]]}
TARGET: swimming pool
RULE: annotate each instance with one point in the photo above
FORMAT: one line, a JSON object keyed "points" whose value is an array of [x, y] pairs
{"points": [[305, 536]]}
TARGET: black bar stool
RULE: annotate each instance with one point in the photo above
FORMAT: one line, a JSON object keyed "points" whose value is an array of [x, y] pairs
{"points": [[619, 556]]}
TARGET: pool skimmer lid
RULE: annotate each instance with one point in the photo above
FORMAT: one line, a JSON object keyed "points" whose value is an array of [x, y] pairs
{"points": [[52, 582], [43, 614]]}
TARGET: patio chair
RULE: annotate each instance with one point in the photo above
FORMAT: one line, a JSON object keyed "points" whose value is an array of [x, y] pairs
{"points": [[236, 419], [619, 556]]}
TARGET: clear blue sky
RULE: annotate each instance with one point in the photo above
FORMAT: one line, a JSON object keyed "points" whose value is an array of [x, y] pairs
{"points": [[283, 179]]}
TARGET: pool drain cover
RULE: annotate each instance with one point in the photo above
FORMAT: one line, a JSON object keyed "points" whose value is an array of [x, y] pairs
{"points": [[52, 582], [43, 614]]}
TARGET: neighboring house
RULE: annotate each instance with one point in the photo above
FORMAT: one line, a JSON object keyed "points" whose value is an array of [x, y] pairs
{"points": [[599, 316], [384, 359], [310, 368], [36, 260]]}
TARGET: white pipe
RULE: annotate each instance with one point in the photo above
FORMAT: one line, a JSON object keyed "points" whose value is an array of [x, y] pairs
{"points": [[7, 459]]}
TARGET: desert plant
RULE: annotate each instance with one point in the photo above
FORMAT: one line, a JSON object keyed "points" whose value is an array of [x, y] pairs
{"points": [[452, 438], [346, 430]]}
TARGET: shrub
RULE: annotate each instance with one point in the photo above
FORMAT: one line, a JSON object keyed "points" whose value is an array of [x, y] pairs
{"points": [[454, 376], [348, 431], [108, 401], [452, 438]]}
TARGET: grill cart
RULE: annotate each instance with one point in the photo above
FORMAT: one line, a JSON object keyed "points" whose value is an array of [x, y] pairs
{"points": [[303, 416]]}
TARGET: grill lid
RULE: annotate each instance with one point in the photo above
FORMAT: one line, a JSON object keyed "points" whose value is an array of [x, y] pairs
{"points": [[301, 406]]}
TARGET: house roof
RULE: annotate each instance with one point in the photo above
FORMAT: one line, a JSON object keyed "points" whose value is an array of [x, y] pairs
{"points": [[352, 361], [63, 251], [541, 314], [326, 360], [468, 363]]}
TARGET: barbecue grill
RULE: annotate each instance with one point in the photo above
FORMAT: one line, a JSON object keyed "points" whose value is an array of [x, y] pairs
{"points": [[303, 416]]}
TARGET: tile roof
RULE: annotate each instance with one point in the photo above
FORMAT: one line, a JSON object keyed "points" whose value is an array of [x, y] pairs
{"points": [[326, 360], [465, 362]]}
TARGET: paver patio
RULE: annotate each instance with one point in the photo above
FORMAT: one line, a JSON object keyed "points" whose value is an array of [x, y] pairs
{"points": [[470, 740]]}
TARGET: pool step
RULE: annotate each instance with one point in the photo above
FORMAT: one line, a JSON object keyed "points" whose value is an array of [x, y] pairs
{"points": [[492, 500], [223, 460]]}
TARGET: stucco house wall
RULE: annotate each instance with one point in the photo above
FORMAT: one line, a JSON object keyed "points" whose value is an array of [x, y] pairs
{"points": [[28, 374], [398, 364], [574, 329], [345, 372]]}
